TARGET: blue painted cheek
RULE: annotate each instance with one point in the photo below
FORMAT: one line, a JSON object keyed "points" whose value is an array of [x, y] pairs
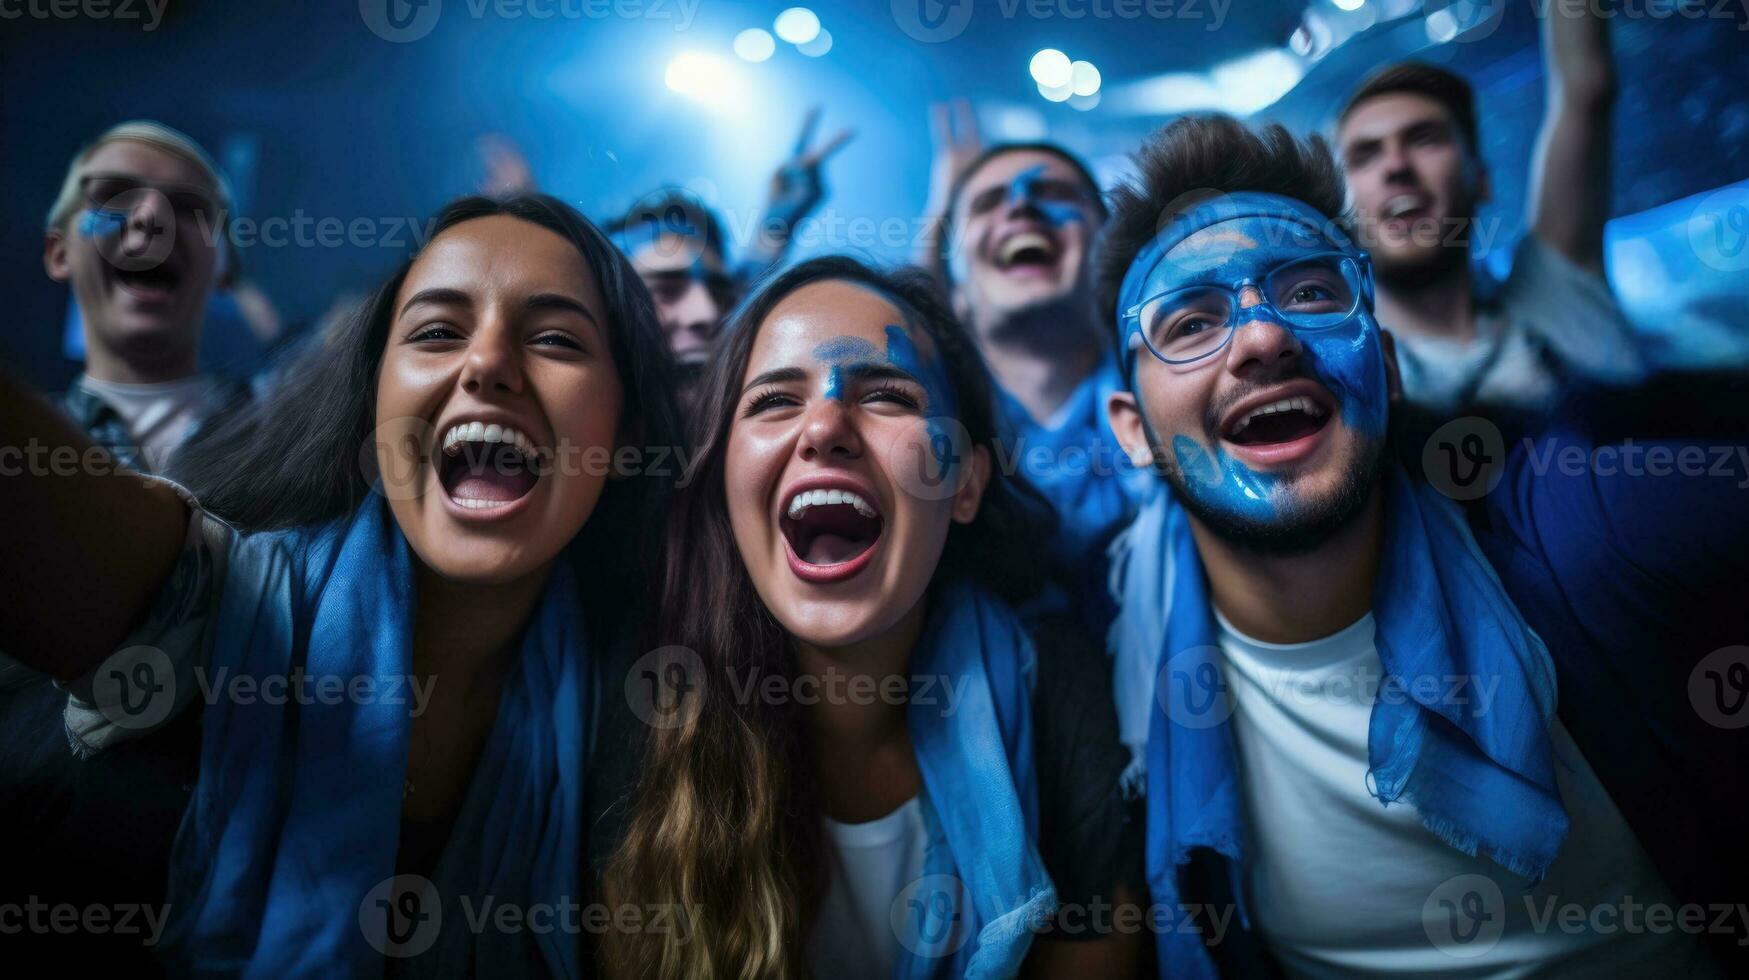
{"points": [[1222, 482], [1350, 362]]}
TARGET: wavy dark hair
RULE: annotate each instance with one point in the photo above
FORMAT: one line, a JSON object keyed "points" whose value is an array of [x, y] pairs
{"points": [[724, 821], [293, 458]]}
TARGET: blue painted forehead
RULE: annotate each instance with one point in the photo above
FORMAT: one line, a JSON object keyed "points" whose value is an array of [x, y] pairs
{"points": [[1284, 223], [1291, 222]]}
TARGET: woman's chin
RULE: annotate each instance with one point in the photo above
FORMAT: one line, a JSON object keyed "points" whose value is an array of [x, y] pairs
{"points": [[831, 625]]}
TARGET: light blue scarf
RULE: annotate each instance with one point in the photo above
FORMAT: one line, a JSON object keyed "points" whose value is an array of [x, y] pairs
{"points": [[1079, 466], [985, 889], [296, 815], [1481, 780]]}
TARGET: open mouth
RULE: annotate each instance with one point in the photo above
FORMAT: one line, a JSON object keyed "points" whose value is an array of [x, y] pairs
{"points": [[157, 283], [830, 532], [487, 467], [1027, 251], [1284, 420], [1403, 209]]}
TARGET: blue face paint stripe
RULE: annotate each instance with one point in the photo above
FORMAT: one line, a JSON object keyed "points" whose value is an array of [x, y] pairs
{"points": [[943, 407], [846, 353], [102, 222], [838, 352], [1057, 213]]}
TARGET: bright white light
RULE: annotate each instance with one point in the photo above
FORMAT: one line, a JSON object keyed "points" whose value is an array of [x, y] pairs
{"points": [[1085, 102], [754, 44], [1349, 4], [1442, 26], [1084, 78], [1255, 81], [797, 25], [1051, 69], [821, 44], [1056, 93], [705, 77], [1170, 93]]}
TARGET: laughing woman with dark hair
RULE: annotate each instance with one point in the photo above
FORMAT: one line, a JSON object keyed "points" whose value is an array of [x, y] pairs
{"points": [[416, 513], [872, 769]]}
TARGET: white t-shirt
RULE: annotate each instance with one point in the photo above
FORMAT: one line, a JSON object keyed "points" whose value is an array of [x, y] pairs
{"points": [[871, 863], [1551, 321], [158, 416], [1341, 886]]}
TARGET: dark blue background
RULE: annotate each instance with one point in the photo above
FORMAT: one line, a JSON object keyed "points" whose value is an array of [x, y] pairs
{"points": [[344, 124]]}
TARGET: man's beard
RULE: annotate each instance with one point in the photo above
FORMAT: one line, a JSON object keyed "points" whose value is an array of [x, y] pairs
{"points": [[1424, 265], [1433, 265], [1298, 528]]}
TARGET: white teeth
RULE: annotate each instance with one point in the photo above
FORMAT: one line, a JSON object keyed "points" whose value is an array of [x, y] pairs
{"points": [[1295, 404], [799, 504], [473, 503], [1025, 240], [480, 432], [1401, 204]]}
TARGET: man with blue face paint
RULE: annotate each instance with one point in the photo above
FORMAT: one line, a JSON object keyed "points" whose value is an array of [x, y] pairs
{"points": [[1019, 223], [1348, 725], [136, 233]]}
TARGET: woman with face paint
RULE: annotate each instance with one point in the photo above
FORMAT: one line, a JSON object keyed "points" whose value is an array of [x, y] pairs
{"points": [[390, 608], [870, 768]]}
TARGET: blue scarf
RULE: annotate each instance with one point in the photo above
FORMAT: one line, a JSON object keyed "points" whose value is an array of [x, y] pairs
{"points": [[1482, 782], [984, 889], [1084, 473], [296, 815]]}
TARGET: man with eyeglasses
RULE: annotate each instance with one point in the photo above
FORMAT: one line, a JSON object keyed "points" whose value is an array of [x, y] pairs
{"points": [[1386, 735], [1017, 231], [137, 232]]}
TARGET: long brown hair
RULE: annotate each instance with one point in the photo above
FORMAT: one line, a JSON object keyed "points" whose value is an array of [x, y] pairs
{"points": [[724, 826]]}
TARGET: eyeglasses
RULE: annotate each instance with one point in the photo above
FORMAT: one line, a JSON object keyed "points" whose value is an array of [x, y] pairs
{"points": [[1307, 294], [124, 192]]}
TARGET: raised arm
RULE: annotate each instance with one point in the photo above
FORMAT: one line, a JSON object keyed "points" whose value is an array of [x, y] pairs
{"points": [[87, 544], [797, 188], [1570, 192], [953, 128]]}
